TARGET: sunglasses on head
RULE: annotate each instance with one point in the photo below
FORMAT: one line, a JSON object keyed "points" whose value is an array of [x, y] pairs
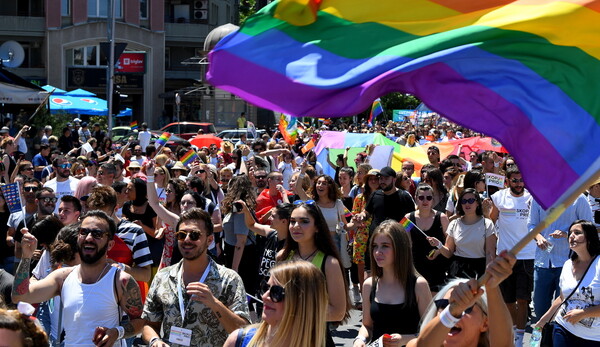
{"points": [[194, 235], [468, 201], [441, 304], [276, 292], [30, 189], [516, 180], [423, 197], [307, 202], [96, 233]]}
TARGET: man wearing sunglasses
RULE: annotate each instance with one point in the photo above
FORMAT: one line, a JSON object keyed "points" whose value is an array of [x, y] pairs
{"points": [[509, 211], [195, 302], [63, 183], [92, 294]]}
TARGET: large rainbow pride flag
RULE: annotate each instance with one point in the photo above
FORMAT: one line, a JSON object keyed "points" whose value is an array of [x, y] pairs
{"points": [[524, 72]]}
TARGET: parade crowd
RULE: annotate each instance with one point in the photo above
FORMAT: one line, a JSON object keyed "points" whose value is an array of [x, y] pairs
{"points": [[253, 245]]}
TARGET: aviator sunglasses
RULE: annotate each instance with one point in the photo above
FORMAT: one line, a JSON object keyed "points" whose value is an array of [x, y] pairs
{"points": [[194, 235]]}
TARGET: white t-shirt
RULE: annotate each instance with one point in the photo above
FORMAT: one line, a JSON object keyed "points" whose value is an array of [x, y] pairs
{"points": [[470, 239], [67, 187], [511, 225], [587, 294], [144, 138], [332, 214], [287, 171], [595, 205]]}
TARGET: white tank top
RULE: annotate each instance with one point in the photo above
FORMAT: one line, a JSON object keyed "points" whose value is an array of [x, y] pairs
{"points": [[87, 306]]}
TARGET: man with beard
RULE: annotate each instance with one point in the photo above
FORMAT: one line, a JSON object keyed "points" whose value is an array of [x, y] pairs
{"points": [[260, 179], [510, 210], [63, 183], [93, 293], [28, 190], [195, 302]]}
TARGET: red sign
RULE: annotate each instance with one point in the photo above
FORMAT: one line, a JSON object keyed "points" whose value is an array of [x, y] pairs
{"points": [[130, 62]]}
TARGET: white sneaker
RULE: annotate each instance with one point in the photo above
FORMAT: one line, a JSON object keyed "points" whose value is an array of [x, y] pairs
{"points": [[356, 295]]}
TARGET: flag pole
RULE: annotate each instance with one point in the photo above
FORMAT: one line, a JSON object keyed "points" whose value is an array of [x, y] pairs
{"points": [[554, 212], [41, 105]]}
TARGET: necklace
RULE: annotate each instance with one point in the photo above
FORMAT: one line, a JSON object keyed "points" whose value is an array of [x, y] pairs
{"points": [[306, 259], [78, 313]]}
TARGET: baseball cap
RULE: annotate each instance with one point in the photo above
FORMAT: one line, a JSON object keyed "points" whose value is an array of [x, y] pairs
{"points": [[4, 130], [387, 172]]}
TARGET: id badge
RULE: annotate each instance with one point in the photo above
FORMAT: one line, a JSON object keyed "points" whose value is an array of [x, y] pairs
{"points": [[180, 336]]}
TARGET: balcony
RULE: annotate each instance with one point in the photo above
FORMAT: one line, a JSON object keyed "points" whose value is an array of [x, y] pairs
{"points": [[21, 27], [187, 32]]}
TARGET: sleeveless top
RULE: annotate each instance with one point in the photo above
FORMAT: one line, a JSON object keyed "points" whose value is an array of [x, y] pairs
{"points": [[318, 260], [434, 271], [394, 318], [87, 306]]}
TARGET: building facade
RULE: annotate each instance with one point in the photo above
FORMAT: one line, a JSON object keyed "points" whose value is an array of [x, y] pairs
{"points": [[63, 42]]}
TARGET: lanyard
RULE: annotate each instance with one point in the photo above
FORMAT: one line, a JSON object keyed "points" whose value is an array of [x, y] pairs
{"points": [[180, 293]]}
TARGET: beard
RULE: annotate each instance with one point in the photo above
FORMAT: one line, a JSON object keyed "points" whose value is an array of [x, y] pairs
{"points": [[93, 258], [261, 184], [387, 188], [517, 190], [192, 254], [60, 173]]}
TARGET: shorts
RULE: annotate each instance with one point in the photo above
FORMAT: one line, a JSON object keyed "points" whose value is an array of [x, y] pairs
{"points": [[519, 285]]}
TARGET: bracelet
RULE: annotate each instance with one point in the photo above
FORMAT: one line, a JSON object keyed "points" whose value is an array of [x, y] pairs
{"points": [[121, 266], [447, 319], [121, 331], [150, 179], [361, 338], [153, 340]]}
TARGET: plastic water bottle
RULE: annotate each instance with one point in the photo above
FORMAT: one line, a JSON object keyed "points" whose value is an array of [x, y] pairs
{"points": [[536, 337], [541, 260]]}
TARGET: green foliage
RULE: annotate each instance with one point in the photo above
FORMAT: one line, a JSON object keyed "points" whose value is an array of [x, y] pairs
{"points": [[247, 8], [393, 101], [57, 121]]}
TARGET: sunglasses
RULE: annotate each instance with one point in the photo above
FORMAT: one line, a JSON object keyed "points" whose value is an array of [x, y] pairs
{"points": [[515, 180], [260, 177], [194, 235], [441, 304], [47, 200], [65, 166], [276, 292], [423, 197], [96, 233], [28, 169], [31, 189], [307, 202], [468, 201], [168, 191], [201, 171]]}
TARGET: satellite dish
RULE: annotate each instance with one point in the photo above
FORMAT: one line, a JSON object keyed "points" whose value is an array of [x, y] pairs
{"points": [[12, 54]]}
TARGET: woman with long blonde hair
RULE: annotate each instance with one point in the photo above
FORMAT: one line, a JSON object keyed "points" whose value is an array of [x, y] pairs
{"points": [[295, 309]]}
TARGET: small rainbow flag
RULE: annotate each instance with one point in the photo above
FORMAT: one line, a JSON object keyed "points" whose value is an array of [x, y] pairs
{"points": [[134, 125], [163, 139], [376, 110], [189, 157], [287, 128], [407, 224]]}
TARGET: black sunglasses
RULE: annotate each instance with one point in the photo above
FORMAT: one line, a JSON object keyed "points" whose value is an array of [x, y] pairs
{"points": [[194, 235], [515, 180], [31, 189], [96, 233], [423, 197], [441, 304], [468, 201], [276, 292]]}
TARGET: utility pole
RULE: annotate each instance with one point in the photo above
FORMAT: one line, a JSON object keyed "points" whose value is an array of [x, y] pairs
{"points": [[110, 72]]}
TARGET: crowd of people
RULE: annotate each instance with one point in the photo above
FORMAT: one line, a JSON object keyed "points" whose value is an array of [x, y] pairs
{"points": [[253, 245]]}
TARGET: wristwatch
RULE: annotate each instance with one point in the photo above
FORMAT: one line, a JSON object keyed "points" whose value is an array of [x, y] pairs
{"points": [[153, 340]]}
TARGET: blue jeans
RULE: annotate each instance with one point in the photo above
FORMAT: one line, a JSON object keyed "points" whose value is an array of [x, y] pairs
{"points": [[545, 288], [561, 337]]}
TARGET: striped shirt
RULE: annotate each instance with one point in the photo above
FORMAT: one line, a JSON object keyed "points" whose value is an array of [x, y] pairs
{"points": [[134, 237]]}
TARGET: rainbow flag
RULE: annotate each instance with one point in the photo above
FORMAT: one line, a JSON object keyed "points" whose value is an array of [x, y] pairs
{"points": [[134, 125], [189, 157], [287, 128], [407, 224], [520, 71], [162, 140], [376, 110]]}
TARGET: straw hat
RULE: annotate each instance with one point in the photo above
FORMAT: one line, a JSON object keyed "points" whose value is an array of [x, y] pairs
{"points": [[179, 166], [134, 165], [372, 172]]}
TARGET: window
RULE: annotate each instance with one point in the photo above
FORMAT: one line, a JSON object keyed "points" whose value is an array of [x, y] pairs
{"points": [[143, 9], [99, 8], [65, 7], [85, 56]]}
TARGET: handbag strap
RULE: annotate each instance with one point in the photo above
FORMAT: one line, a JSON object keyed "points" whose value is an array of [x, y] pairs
{"points": [[577, 286]]}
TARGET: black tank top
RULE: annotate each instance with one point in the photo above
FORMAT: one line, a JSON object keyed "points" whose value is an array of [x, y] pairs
{"points": [[434, 271], [394, 318]]}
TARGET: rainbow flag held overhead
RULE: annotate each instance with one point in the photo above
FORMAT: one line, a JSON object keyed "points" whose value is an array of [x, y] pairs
{"points": [[376, 110], [163, 139], [407, 224], [134, 125], [287, 128], [189, 157], [521, 71]]}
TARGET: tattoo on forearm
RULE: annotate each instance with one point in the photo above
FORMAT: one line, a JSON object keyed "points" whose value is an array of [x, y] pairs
{"points": [[129, 329], [21, 283], [133, 299], [218, 314]]}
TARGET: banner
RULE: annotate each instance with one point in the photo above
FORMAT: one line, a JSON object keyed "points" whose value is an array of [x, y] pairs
{"points": [[494, 180]]}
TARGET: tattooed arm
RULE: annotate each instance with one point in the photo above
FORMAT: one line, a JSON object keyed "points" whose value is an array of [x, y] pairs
{"points": [[38, 291], [130, 300]]}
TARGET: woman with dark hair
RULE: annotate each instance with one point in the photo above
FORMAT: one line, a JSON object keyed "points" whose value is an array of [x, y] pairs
{"points": [[434, 224], [470, 241], [435, 179], [138, 211], [310, 240], [65, 141], [576, 322], [8, 146], [236, 165], [395, 297], [346, 176], [105, 150]]}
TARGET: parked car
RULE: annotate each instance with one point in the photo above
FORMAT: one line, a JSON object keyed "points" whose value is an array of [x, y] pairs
{"points": [[173, 143], [119, 132], [187, 130], [234, 135]]}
